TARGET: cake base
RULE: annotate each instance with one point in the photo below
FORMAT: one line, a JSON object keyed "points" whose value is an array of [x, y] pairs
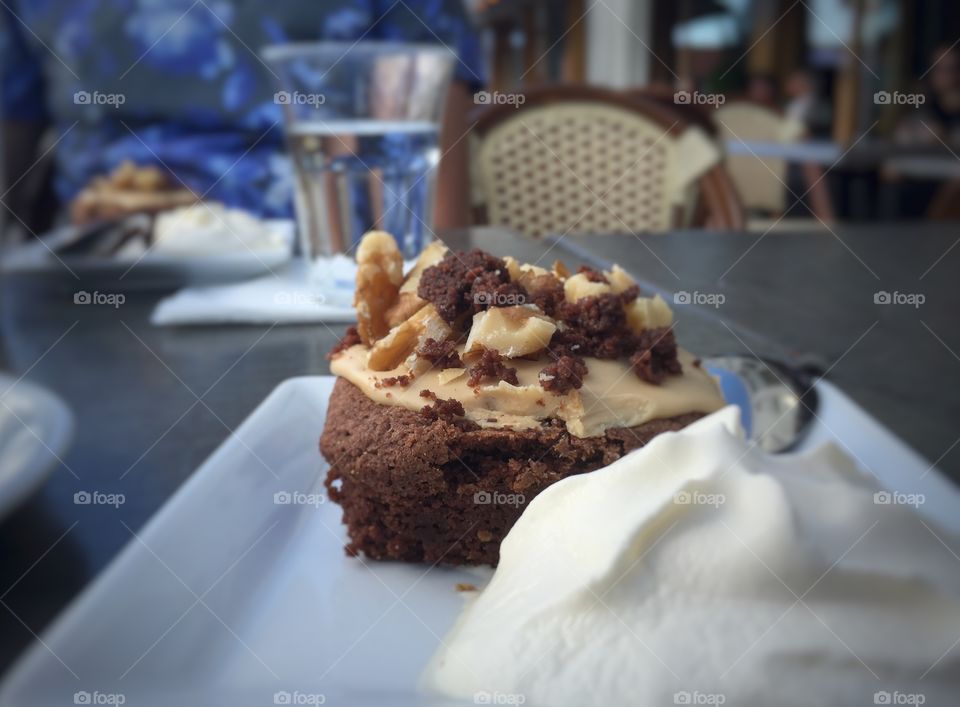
{"points": [[418, 490]]}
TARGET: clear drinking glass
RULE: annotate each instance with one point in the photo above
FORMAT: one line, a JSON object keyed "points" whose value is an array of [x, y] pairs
{"points": [[362, 121]]}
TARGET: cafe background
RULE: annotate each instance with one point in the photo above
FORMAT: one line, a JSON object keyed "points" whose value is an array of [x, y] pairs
{"points": [[811, 215]]}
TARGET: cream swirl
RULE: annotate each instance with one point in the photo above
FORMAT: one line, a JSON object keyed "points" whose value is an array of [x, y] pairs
{"points": [[702, 570]]}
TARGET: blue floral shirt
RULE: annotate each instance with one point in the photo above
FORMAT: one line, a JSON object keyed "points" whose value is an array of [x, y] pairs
{"points": [[178, 83]]}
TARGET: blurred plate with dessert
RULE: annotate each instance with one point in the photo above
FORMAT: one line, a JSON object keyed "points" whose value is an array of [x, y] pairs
{"points": [[133, 228]]}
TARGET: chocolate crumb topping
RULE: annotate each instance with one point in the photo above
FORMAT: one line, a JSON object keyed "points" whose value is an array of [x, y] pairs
{"points": [[350, 338], [563, 375], [508, 294], [592, 274], [565, 342], [402, 380], [490, 365], [597, 326], [656, 355], [465, 283], [630, 294], [443, 409], [442, 354], [449, 410], [546, 292]]}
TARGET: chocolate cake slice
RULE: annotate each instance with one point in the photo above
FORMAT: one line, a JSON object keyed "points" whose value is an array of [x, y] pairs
{"points": [[427, 490], [475, 382]]}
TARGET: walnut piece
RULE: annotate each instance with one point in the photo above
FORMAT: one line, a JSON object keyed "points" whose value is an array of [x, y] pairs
{"points": [[513, 331], [648, 313], [579, 286], [379, 276], [408, 302], [404, 339]]}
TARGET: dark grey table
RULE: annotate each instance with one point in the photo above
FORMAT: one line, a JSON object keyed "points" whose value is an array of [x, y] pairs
{"points": [[876, 307], [152, 403]]}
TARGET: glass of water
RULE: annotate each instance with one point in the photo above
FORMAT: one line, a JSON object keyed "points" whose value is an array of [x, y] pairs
{"points": [[362, 121]]}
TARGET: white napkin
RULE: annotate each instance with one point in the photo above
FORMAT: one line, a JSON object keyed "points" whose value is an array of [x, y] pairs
{"points": [[300, 293]]}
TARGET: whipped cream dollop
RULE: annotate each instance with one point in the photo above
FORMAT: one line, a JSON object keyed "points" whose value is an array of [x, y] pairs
{"points": [[212, 228], [701, 570]]}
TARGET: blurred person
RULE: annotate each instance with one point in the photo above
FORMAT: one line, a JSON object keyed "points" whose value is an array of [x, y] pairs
{"points": [[938, 118], [806, 102], [763, 89], [803, 107], [179, 85], [934, 122], [801, 96], [945, 93]]}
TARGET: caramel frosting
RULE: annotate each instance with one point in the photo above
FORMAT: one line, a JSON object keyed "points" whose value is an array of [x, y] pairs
{"points": [[535, 344], [611, 395]]}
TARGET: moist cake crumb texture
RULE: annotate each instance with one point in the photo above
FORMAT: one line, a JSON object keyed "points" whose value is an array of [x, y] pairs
{"points": [[426, 490]]}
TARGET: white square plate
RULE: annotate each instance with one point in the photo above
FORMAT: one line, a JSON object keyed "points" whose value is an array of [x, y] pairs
{"points": [[229, 597]]}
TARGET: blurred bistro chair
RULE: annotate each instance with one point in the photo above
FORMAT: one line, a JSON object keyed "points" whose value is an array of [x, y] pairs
{"points": [[577, 159], [761, 181]]}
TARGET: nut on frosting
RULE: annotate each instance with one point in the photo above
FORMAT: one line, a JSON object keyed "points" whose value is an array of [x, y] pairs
{"points": [[513, 331], [379, 276]]}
